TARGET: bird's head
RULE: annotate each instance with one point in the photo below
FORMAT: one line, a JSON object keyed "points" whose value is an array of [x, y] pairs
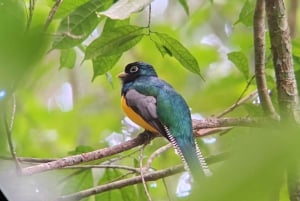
{"points": [[135, 70]]}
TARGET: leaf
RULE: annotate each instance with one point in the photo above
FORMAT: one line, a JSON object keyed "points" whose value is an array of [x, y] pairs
{"points": [[124, 194], [77, 26], [240, 61], [247, 13], [185, 6], [67, 6], [78, 182], [122, 9], [115, 41], [102, 64], [174, 48], [68, 58]]}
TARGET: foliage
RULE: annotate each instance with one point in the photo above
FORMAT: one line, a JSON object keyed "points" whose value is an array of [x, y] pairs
{"points": [[60, 112]]}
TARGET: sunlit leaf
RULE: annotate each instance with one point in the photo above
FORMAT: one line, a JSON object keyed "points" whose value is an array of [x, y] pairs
{"points": [[115, 41], [185, 5], [122, 9], [240, 61], [77, 26], [246, 14], [102, 64], [174, 48], [67, 58]]}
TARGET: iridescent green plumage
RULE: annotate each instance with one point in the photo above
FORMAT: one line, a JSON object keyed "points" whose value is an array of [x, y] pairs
{"points": [[163, 109]]}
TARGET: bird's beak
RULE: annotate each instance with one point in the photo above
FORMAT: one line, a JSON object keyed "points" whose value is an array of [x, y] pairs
{"points": [[122, 75]]}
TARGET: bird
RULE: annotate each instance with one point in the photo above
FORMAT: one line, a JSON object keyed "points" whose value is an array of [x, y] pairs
{"points": [[154, 105]]}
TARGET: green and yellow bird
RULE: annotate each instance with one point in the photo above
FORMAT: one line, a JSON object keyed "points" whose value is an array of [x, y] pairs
{"points": [[154, 105]]}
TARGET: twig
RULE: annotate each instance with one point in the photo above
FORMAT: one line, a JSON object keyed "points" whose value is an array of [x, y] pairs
{"points": [[142, 174], [239, 101], [123, 167], [30, 14], [157, 153], [8, 129], [151, 176], [259, 56], [226, 122], [52, 13]]}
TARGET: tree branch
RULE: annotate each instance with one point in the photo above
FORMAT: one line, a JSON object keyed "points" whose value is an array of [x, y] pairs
{"points": [[141, 139], [259, 49], [286, 82], [152, 176]]}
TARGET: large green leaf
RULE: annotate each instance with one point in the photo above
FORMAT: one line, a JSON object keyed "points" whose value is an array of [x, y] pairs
{"points": [[240, 61], [173, 47], [67, 58], [122, 9], [67, 6], [77, 26], [246, 14], [102, 64], [115, 41], [83, 179]]}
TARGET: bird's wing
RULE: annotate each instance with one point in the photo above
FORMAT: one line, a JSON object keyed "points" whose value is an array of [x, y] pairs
{"points": [[145, 106]]}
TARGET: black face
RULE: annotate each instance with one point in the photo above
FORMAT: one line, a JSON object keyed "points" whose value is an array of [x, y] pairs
{"points": [[137, 69]]}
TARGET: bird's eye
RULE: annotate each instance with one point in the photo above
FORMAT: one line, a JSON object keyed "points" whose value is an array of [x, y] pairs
{"points": [[133, 69]]}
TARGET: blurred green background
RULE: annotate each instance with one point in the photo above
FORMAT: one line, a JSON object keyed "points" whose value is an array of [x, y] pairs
{"points": [[59, 108]]}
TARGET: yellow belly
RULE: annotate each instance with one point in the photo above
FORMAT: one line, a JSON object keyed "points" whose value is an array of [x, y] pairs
{"points": [[136, 117]]}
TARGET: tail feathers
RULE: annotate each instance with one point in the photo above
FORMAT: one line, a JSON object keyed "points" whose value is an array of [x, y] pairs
{"points": [[190, 155]]}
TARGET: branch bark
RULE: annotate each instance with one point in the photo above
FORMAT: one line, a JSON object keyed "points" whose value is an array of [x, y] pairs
{"points": [[259, 49], [286, 82]]}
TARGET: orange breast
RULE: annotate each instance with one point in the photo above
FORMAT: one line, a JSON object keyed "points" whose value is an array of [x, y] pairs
{"points": [[136, 117]]}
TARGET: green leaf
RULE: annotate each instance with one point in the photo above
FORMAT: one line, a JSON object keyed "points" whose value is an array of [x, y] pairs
{"points": [[185, 6], [67, 6], [115, 41], [67, 58], [247, 13], [173, 47], [102, 64], [124, 194], [122, 9], [78, 182], [240, 61], [77, 26]]}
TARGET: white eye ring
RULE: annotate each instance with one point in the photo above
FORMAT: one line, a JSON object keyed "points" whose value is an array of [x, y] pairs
{"points": [[133, 69]]}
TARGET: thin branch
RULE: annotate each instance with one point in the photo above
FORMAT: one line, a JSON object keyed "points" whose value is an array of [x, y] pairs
{"points": [[152, 176], [157, 153], [52, 13], [8, 129], [122, 167], [143, 175], [259, 56], [30, 13], [239, 101]]}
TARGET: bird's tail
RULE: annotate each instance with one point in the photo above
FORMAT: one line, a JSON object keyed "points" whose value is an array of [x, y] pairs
{"points": [[190, 154]]}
